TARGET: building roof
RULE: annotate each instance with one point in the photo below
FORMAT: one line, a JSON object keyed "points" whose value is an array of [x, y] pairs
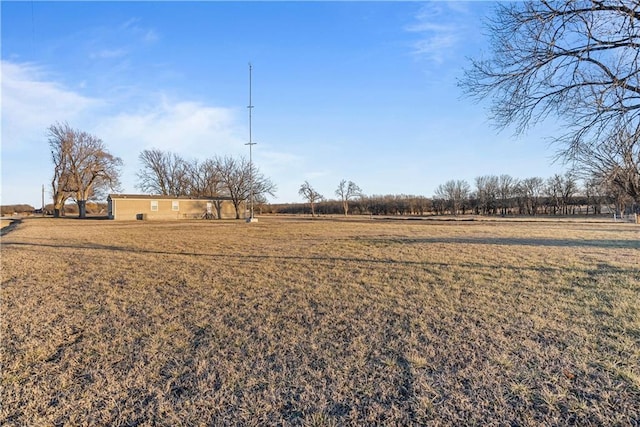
{"points": [[162, 197]]}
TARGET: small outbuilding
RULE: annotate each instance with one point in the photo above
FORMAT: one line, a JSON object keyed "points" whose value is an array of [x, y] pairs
{"points": [[155, 207]]}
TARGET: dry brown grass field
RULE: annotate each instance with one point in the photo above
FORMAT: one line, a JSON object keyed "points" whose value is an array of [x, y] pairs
{"points": [[323, 322]]}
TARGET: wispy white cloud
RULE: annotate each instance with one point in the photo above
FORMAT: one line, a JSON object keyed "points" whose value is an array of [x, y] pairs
{"points": [[134, 28], [32, 101], [185, 127], [460, 6], [109, 44], [109, 53], [191, 129], [150, 36], [436, 47], [439, 27], [432, 27]]}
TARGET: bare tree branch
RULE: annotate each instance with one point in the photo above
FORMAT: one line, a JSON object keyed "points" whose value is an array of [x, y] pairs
{"points": [[347, 191], [575, 60], [83, 167], [311, 195], [238, 181], [163, 173]]}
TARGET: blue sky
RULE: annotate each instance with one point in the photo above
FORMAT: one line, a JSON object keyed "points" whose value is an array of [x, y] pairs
{"points": [[364, 91]]}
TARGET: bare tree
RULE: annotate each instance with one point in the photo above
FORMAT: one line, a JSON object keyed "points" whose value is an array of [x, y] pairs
{"points": [[238, 181], [553, 190], [162, 173], [346, 191], [260, 184], [568, 188], [60, 142], [617, 162], [487, 187], [576, 60], [205, 180], [82, 165], [311, 195], [93, 169], [506, 185], [530, 192], [560, 190], [455, 193], [616, 198], [169, 174], [595, 194]]}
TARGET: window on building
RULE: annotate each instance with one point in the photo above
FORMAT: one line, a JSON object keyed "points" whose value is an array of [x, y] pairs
{"points": [[154, 205], [175, 205]]}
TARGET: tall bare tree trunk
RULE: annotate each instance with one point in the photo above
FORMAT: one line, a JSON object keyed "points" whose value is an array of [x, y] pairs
{"points": [[218, 206], [82, 208]]}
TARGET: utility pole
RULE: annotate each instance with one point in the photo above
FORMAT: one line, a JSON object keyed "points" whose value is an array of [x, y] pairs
{"points": [[42, 199], [250, 144]]}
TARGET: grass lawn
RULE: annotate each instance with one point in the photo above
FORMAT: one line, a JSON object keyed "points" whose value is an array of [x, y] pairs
{"points": [[323, 322]]}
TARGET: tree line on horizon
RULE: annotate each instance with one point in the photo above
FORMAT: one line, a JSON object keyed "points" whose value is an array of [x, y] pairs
{"points": [[491, 195], [84, 169], [91, 208]]}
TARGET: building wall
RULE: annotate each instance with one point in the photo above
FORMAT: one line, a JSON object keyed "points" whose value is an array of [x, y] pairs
{"points": [[165, 209]]}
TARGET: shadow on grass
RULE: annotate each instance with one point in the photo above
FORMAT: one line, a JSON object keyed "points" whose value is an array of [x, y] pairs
{"points": [[600, 268], [9, 228], [510, 241]]}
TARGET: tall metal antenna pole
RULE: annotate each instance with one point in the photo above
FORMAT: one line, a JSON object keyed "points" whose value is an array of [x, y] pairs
{"points": [[250, 144]]}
